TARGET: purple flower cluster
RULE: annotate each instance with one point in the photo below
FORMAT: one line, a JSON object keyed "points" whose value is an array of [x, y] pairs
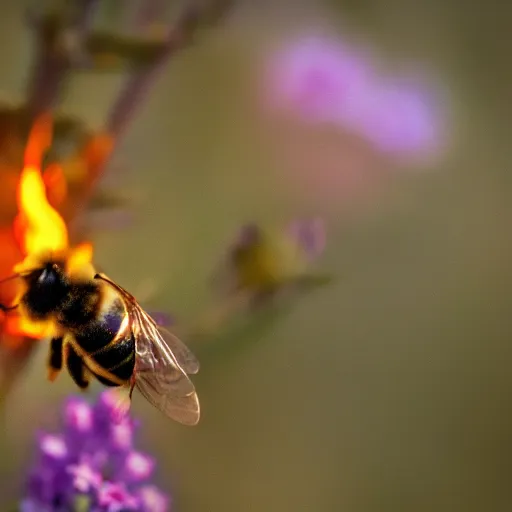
{"points": [[92, 465], [324, 80]]}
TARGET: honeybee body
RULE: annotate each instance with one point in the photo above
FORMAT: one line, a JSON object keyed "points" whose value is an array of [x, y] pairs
{"points": [[89, 321], [108, 342], [96, 328]]}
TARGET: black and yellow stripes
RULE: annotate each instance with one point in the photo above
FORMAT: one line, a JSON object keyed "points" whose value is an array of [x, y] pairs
{"points": [[103, 346], [62, 353], [76, 367]]}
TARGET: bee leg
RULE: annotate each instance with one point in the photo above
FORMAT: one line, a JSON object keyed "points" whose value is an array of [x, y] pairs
{"points": [[132, 386], [54, 358], [76, 367]]}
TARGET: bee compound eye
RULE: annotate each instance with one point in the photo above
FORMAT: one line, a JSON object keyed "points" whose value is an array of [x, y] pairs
{"points": [[42, 276], [47, 276]]}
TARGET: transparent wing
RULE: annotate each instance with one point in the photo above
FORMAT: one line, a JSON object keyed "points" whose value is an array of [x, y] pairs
{"points": [[184, 357], [162, 364], [159, 376]]}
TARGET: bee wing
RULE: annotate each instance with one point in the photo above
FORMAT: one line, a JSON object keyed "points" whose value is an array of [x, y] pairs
{"points": [[158, 374], [183, 355], [161, 365]]}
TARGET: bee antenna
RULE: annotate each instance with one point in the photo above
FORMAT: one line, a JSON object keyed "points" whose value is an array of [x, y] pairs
{"points": [[14, 276], [10, 278], [7, 308]]}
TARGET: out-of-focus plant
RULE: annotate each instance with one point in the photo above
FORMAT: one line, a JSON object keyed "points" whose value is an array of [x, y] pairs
{"points": [[92, 465], [264, 262], [66, 41], [265, 269]]}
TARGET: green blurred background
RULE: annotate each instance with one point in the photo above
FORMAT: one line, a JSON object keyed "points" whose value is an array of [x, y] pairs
{"points": [[391, 388]]}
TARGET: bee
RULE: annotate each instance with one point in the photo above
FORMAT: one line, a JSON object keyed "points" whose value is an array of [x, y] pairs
{"points": [[97, 329]]}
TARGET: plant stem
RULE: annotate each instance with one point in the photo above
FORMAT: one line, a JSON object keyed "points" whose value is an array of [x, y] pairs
{"points": [[138, 85], [57, 43]]}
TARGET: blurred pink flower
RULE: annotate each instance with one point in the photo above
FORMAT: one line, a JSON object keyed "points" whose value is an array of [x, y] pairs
{"points": [[323, 80], [138, 466], [402, 118], [78, 416], [153, 499], [85, 477], [317, 77]]}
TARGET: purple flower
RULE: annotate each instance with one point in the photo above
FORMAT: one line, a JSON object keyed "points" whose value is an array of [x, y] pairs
{"points": [[322, 79], [85, 476], [138, 467], [53, 448], [92, 461], [153, 499], [317, 77], [115, 497], [401, 118], [78, 416]]}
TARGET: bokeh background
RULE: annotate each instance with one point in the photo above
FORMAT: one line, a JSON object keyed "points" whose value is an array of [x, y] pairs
{"points": [[388, 389]]}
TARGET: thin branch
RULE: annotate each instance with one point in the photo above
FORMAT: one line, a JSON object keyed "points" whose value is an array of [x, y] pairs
{"points": [[180, 35], [58, 39], [142, 79]]}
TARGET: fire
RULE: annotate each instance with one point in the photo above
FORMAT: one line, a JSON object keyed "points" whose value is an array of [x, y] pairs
{"points": [[38, 228], [79, 257], [17, 325]]}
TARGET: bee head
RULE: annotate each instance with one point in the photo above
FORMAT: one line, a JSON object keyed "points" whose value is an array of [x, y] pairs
{"points": [[47, 275], [47, 288]]}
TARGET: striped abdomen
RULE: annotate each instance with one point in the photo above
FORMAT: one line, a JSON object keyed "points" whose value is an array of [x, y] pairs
{"points": [[108, 340]]}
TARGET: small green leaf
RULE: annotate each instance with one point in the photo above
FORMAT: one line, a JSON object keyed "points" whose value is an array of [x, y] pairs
{"points": [[82, 503]]}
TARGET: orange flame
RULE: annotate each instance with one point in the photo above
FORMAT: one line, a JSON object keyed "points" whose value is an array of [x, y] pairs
{"points": [[18, 325], [39, 228]]}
